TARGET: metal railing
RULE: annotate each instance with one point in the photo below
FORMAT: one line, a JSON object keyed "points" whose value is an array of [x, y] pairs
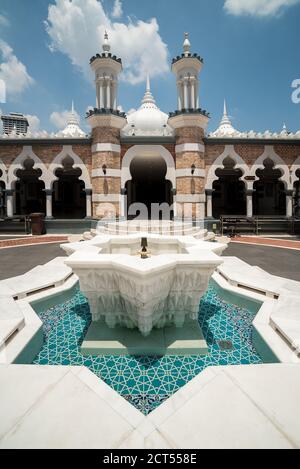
{"points": [[9, 222], [234, 224]]}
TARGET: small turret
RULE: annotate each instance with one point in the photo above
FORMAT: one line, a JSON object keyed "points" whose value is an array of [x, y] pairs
{"points": [[187, 68], [106, 68]]}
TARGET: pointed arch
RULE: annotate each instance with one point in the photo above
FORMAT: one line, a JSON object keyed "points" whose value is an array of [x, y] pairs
{"points": [[294, 168], [27, 152], [219, 164], [270, 153], [78, 163], [3, 169]]}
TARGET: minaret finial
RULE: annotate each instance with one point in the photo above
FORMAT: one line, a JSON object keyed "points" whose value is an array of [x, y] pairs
{"points": [[148, 88], [225, 119], [148, 98], [186, 44], [72, 116], [284, 129], [106, 45]]}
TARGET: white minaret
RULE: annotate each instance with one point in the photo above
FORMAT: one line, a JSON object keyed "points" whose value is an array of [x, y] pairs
{"points": [[107, 68], [187, 68]]}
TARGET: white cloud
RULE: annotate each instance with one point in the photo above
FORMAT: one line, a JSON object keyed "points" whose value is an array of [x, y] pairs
{"points": [[117, 10], [77, 28], [34, 122], [260, 8], [59, 119], [13, 72], [4, 21]]}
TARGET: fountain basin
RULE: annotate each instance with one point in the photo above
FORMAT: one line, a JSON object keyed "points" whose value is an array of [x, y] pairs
{"points": [[163, 290]]}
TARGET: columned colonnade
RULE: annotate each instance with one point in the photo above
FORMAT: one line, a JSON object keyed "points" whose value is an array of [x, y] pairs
{"points": [[249, 177], [9, 178], [289, 178]]}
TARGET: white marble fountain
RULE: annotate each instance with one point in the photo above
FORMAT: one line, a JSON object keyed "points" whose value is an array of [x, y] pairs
{"points": [[124, 289]]}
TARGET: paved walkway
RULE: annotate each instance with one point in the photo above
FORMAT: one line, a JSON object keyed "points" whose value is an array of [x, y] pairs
{"points": [[10, 242], [276, 261], [283, 243], [18, 260]]}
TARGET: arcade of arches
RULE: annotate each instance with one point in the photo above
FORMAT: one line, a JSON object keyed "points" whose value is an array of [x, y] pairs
{"points": [[61, 188], [269, 197], [68, 197]]}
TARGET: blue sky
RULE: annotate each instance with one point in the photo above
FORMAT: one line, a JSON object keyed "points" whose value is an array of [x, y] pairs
{"points": [[250, 50]]}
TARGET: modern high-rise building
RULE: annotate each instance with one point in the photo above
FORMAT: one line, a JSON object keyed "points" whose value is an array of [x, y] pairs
{"points": [[14, 121]]}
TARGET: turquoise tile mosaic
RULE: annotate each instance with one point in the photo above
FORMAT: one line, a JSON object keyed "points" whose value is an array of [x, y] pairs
{"points": [[147, 381]]}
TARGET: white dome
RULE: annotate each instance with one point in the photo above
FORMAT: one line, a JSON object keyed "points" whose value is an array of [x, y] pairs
{"points": [[72, 129], [225, 128], [148, 120]]}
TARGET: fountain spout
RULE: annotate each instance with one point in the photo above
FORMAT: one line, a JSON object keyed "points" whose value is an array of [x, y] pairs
{"points": [[144, 252]]}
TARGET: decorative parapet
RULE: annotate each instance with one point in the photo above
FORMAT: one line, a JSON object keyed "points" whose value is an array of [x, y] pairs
{"points": [[200, 111], [185, 56], [103, 111], [267, 135], [105, 56], [43, 136]]}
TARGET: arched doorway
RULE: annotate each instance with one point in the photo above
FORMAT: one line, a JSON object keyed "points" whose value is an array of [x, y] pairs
{"points": [[30, 194], [69, 197], [149, 186], [228, 197], [2, 197], [269, 198], [296, 201]]}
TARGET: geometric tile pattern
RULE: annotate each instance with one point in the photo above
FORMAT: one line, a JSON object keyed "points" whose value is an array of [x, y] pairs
{"points": [[147, 381]]}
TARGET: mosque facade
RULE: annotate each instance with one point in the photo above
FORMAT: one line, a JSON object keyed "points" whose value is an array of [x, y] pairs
{"points": [[149, 159]]}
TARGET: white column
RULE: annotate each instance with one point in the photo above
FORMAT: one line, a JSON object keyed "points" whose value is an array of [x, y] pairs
{"points": [[185, 92], [192, 94], [48, 203], [101, 105], [123, 203], [197, 94], [298, 202], [249, 195], [289, 203], [115, 94], [97, 95], [179, 93], [14, 198], [88, 193], [208, 193], [9, 203], [108, 94]]}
